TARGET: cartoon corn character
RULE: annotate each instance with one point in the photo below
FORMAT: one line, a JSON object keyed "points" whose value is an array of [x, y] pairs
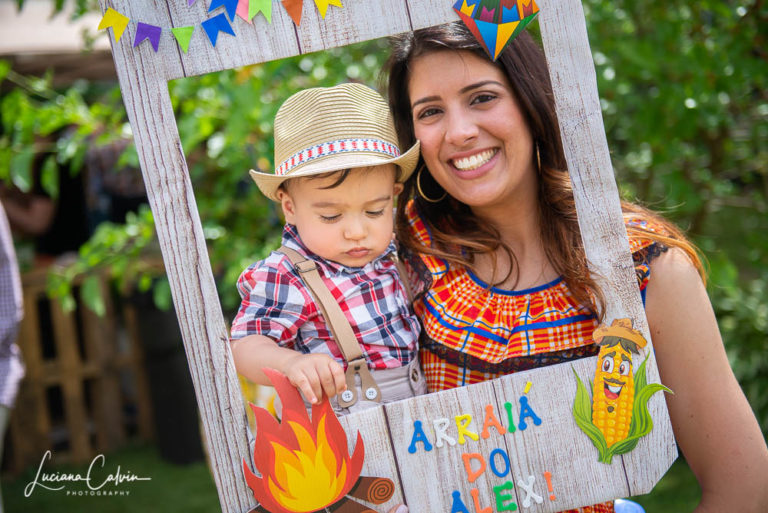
{"points": [[613, 393], [616, 417]]}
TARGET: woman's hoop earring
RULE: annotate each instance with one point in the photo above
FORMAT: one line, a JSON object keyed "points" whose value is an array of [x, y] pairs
{"points": [[421, 192], [538, 157]]}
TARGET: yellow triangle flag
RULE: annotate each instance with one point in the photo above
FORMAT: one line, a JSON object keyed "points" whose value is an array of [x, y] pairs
{"points": [[322, 5], [505, 31], [117, 21]]}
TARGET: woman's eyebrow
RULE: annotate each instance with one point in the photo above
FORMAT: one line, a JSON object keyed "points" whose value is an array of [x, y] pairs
{"points": [[463, 90], [424, 100], [477, 85]]}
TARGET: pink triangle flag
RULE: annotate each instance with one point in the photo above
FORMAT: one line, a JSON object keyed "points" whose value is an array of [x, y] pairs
{"points": [[242, 10]]}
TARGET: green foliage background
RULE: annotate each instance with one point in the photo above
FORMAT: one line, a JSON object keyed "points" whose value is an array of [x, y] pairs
{"points": [[684, 93]]}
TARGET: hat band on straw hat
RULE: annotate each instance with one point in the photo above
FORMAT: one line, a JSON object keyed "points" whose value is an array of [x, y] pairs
{"points": [[336, 147]]}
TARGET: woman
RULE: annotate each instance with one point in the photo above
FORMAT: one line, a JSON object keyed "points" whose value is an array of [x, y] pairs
{"points": [[492, 219]]}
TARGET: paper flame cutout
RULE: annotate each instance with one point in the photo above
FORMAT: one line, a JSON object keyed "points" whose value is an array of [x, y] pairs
{"points": [[304, 464]]}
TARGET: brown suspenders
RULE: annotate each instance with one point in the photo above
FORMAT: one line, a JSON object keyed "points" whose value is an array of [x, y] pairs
{"points": [[341, 329]]}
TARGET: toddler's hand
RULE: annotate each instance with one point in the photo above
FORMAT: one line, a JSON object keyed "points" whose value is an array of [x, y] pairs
{"points": [[314, 374]]}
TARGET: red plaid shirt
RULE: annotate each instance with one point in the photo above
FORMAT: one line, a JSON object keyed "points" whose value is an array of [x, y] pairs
{"points": [[278, 305]]}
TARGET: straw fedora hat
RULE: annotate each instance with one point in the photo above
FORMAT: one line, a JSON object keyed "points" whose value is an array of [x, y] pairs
{"points": [[326, 129]]}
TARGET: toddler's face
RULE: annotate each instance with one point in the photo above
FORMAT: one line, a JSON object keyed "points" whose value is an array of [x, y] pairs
{"points": [[350, 224]]}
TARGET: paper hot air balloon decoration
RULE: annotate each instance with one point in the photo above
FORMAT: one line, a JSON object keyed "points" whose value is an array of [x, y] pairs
{"points": [[495, 23]]}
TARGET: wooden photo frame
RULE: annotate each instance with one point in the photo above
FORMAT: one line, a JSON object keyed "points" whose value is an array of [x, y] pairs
{"points": [[556, 447]]}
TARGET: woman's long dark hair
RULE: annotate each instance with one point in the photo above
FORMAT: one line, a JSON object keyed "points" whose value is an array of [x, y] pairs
{"points": [[457, 234]]}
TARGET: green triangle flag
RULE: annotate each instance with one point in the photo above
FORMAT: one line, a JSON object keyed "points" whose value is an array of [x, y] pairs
{"points": [[265, 6], [183, 35]]}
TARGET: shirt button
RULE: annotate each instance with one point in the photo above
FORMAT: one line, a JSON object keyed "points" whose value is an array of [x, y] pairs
{"points": [[371, 393], [347, 396]]}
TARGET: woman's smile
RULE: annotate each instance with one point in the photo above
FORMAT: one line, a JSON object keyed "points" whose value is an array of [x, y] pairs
{"points": [[474, 161]]}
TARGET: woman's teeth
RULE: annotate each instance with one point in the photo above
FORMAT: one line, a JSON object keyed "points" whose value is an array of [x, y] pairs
{"points": [[474, 161]]}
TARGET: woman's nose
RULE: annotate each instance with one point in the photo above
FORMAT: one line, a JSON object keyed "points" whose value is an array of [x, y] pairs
{"points": [[461, 128]]}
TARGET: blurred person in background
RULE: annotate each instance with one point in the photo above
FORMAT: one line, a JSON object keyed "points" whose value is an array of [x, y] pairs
{"points": [[11, 311]]}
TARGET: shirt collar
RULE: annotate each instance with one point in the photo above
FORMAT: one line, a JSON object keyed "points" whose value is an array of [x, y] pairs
{"points": [[292, 240]]}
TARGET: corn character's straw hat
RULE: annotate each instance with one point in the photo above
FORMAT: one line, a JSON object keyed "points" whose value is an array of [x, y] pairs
{"points": [[621, 328], [328, 129]]}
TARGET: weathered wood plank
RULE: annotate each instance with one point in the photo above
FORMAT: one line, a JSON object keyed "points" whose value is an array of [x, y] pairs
{"points": [[429, 476], [143, 81], [379, 456], [165, 63], [427, 13], [358, 21], [69, 365], [564, 35], [100, 340], [579, 479], [256, 42]]}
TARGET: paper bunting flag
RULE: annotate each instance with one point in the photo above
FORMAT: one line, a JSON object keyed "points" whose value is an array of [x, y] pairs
{"points": [[189, 4], [242, 10], [117, 21], [229, 5], [213, 26], [294, 7], [260, 6], [322, 5], [146, 31], [183, 35], [495, 23]]}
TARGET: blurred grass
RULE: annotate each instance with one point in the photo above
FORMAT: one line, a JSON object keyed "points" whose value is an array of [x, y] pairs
{"points": [[190, 488], [173, 488]]}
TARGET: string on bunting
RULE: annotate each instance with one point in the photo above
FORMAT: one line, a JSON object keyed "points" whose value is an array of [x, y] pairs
{"points": [[246, 10]]}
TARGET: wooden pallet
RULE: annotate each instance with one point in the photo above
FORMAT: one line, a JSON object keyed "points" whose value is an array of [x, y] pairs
{"points": [[82, 371]]}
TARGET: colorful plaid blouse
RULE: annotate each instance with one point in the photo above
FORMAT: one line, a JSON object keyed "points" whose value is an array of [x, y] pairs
{"points": [[277, 304], [473, 333]]}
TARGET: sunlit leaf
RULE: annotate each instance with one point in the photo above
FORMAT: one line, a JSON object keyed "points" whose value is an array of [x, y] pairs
{"points": [[90, 292], [21, 168], [49, 177]]}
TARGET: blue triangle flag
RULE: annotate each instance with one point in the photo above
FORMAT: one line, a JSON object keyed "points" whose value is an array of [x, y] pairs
{"points": [[229, 5], [213, 26]]}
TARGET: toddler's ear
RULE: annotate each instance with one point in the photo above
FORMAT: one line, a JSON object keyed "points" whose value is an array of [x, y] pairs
{"points": [[398, 188], [289, 210]]}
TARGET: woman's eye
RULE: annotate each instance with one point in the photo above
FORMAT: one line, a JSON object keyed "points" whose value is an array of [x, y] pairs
{"points": [[330, 219], [431, 111], [483, 98], [375, 213]]}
